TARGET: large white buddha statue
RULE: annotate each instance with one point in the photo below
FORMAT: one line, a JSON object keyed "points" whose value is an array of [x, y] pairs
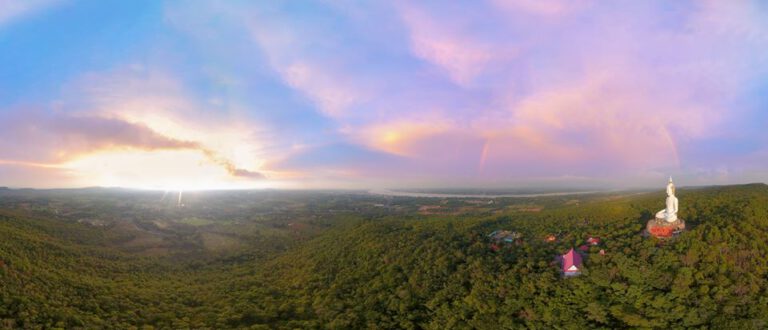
{"points": [[670, 213]]}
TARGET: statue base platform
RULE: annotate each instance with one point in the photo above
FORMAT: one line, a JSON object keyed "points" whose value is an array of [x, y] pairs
{"points": [[660, 228]]}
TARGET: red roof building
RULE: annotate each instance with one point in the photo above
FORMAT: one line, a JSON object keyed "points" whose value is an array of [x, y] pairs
{"points": [[593, 240], [571, 263], [495, 248]]}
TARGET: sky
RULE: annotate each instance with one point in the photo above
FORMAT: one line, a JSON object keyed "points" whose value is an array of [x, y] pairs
{"points": [[382, 94]]}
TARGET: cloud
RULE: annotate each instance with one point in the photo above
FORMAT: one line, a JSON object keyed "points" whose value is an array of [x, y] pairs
{"points": [[302, 51], [340, 155], [333, 97], [449, 42], [540, 8], [158, 100], [229, 166], [36, 137], [11, 10]]}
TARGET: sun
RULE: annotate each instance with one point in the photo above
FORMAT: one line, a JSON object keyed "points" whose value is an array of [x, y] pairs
{"points": [[173, 170]]}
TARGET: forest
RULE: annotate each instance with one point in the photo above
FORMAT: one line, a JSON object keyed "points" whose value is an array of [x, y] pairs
{"points": [[121, 259]]}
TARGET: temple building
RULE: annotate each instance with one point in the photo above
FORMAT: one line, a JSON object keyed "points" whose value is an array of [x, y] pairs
{"points": [[571, 263]]}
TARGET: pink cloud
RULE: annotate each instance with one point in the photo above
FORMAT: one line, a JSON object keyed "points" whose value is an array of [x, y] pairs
{"points": [[547, 8], [447, 42], [332, 95]]}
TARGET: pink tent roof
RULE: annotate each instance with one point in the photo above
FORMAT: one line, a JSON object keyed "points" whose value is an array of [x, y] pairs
{"points": [[572, 258]]}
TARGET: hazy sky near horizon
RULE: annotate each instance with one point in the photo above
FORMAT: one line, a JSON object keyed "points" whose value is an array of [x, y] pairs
{"points": [[340, 94]]}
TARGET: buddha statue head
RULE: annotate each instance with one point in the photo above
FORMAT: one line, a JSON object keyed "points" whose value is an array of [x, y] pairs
{"points": [[670, 187]]}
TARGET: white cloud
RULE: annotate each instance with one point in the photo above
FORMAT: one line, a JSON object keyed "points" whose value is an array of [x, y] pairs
{"points": [[11, 10]]}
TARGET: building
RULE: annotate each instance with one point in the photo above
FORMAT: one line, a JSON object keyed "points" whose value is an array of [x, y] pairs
{"points": [[504, 236], [495, 248], [571, 263]]}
